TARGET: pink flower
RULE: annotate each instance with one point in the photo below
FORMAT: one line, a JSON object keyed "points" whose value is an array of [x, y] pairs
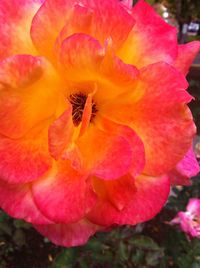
{"points": [[94, 119], [189, 221]]}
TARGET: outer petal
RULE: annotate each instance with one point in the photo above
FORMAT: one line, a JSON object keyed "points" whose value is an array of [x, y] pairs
{"points": [[148, 199], [15, 22], [25, 159], [17, 201], [103, 26], [151, 39], [66, 189], [29, 93], [187, 168], [186, 55], [69, 235], [157, 112]]}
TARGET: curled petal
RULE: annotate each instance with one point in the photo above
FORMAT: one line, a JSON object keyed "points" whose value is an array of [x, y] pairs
{"points": [[188, 167], [17, 201], [27, 85], [118, 192], [147, 200], [137, 146], [151, 39], [63, 194], [186, 55], [69, 235]]}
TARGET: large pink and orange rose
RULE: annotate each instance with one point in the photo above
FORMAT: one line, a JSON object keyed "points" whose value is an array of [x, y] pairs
{"points": [[94, 119]]}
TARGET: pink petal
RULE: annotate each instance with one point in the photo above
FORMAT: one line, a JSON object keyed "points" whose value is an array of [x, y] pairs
{"points": [[69, 235], [80, 56], [17, 201], [188, 167], [156, 111], [110, 158], [118, 192], [25, 159], [63, 194], [137, 146], [149, 197], [15, 22], [186, 55], [151, 40]]}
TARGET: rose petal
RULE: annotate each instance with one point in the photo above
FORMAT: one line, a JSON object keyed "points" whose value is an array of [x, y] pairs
{"points": [[137, 146], [81, 56], [17, 201], [151, 40], [25, 159], [69, 235], [119, 192], [157, 112], [186, 55], [63, 194], [149, 197], [15, 22], [29, 94], [110, 158], [94, 20], [61, 133]]}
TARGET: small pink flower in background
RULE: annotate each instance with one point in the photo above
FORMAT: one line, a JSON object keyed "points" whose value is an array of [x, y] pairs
{"points": [[189, 220]]}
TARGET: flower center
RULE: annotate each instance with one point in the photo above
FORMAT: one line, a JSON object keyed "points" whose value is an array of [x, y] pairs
{"points": [[78, 101]]}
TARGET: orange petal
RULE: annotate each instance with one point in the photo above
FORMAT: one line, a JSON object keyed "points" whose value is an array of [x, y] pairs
{"points": [[105, 154], [61, 133], [80, 55], [29, 94]]}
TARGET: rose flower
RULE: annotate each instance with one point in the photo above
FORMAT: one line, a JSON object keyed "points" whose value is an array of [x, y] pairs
{"points": [[94, 119]]}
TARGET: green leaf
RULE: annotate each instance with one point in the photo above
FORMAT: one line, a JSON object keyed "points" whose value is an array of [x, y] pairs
{"points": [[66, 259]]}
